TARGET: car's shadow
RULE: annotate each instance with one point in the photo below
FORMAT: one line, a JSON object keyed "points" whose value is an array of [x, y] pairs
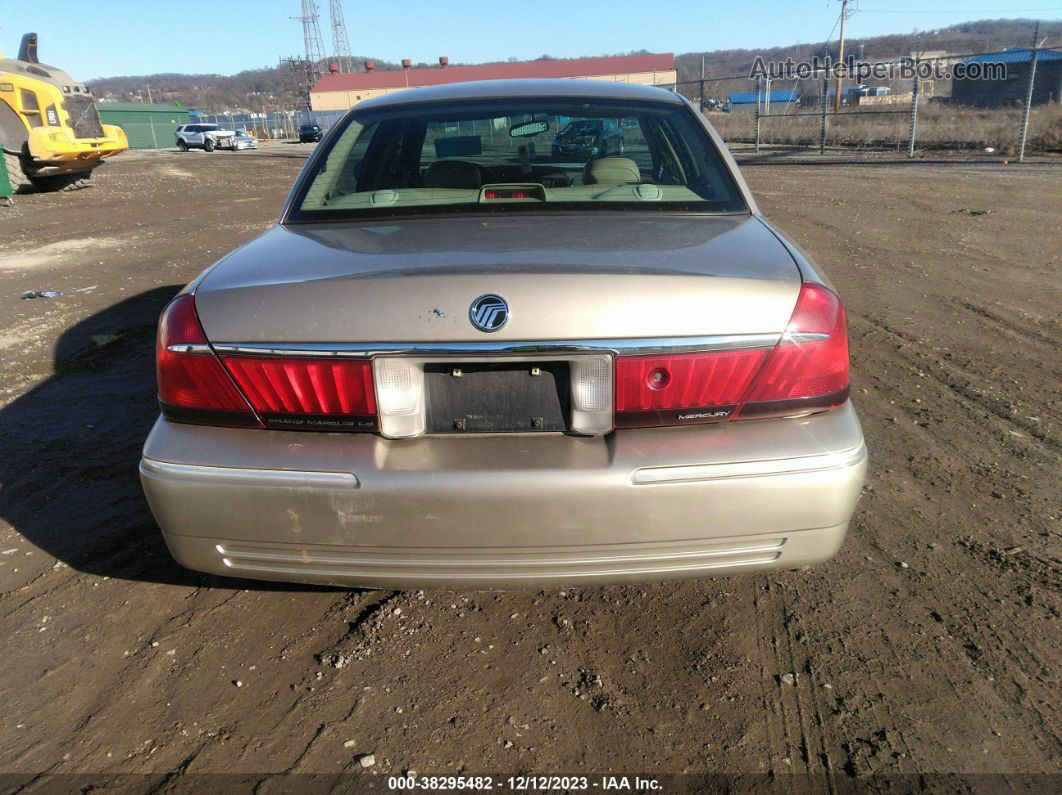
{"points": [[71, 445]]}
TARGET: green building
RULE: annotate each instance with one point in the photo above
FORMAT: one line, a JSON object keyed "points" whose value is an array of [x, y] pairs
{"points": [[146, 126]]}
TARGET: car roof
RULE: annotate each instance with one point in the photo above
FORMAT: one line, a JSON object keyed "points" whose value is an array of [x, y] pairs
{"points": [[526, 88]]}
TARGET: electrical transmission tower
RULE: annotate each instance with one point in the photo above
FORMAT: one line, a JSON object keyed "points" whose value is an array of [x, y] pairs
{"points": [[310, 66], [305, 75], [311, 32], [339, 39]]}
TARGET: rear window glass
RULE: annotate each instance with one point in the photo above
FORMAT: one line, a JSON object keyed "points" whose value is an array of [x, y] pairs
{"points": [[509, 155]]}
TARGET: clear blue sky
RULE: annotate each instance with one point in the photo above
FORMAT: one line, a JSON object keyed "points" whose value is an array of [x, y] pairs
{"points": [[97, 38]]}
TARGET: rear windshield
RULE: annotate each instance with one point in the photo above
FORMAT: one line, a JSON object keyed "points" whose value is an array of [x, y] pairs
{"points": [[510, 156]]}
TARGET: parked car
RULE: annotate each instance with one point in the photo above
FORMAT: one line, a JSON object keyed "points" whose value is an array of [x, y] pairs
{"points": [[309, 133], [583, 139], [488, 371], [201, 136], [244, 140]]}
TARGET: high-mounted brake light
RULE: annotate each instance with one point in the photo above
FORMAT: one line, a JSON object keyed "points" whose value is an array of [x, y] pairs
{"points": [[193, 386], [508, 194], [806, 371]]}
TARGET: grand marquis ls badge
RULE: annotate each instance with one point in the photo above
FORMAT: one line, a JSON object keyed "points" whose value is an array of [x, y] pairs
{"points": [[489, 312]]}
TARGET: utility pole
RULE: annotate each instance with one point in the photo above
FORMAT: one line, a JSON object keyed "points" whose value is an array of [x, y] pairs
{"points": [[913, 125], [701, 99], [1027, 106], [840, 58], [340, 42]]}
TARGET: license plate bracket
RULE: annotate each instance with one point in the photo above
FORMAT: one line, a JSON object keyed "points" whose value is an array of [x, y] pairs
{"points": [[506, 397]]}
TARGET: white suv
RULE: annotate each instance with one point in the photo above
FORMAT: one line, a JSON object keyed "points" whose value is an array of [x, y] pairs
{"points": [[200, 136]]}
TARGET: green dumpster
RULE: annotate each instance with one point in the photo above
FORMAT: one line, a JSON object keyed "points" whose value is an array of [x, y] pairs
{"points": [[5, 182]]}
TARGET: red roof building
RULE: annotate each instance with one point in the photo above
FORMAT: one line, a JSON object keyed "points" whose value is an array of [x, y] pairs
{"points": [[342, 91]]}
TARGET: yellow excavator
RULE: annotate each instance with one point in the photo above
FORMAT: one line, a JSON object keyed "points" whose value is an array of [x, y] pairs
{"points": [[50, 129]]}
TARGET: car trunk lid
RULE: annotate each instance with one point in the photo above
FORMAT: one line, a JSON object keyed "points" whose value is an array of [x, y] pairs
{"points": [[577, 277]]}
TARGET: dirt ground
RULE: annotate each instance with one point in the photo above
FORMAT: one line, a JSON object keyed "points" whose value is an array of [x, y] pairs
{"points": [[929, 645]]}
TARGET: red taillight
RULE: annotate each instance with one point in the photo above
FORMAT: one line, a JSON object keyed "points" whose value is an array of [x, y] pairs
{"points": [[692, 387], [295, 393], [807, 370], [309, 393], [193, 386]]}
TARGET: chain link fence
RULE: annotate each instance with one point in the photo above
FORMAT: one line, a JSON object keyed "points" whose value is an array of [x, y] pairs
{"points": [[1002, 104], [271, 126]]}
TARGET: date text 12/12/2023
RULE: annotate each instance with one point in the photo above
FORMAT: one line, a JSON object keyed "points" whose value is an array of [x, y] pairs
{"points": [[524, 783]]}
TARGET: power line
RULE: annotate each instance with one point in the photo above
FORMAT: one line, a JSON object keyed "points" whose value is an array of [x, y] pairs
{"points": [[953, 10], [826, 43]]}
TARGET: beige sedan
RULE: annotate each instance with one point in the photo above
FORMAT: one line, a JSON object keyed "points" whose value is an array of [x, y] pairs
{"points": [[463, 359]]}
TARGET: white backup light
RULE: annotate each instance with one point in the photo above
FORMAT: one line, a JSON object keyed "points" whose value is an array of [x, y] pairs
{"points": [[399, 397], [591, 394]]}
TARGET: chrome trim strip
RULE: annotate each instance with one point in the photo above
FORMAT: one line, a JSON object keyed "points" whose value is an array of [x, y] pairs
{"points": [[249, 477], [189, 348], [750, 469], [370, 557], [608, 570], [501, 348]]}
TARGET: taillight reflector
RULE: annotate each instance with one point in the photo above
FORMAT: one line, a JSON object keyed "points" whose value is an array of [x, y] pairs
{"points": [[806, 371], [305, 386], [287, 393], [192, 384], [657, 390]]}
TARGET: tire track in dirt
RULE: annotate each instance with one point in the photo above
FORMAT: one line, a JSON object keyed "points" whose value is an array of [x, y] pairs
{"points": [[1048, 338], [789, 684], [950, 382]]}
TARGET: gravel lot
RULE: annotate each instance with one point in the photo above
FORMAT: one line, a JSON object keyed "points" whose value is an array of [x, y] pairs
{"points": [[929, 645]]}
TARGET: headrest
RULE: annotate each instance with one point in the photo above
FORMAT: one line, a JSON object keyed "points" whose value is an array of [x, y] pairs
{"points": [[453, 174], [613, 170]]}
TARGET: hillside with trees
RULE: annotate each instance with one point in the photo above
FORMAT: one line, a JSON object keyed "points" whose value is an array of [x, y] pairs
{"points": [[969, 37], [275, 88]]}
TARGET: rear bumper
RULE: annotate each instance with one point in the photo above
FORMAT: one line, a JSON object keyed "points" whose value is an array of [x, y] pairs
{"points": [[505, 511]]}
